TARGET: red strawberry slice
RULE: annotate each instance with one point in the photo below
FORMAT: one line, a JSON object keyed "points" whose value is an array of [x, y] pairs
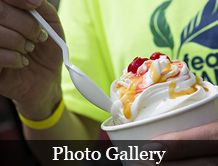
{"points": [[136, 63], [157, 55]]}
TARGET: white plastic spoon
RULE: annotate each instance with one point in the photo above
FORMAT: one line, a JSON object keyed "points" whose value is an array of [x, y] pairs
{"points": [[81, 81]]}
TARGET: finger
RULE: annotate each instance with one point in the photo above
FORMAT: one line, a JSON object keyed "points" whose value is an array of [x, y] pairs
{"points": [[25, 4], [22, 22], [143, 163], [14, 41], [179, 149], [12, 59], [43, 7], [205, 132], [205, 161], [197, 142]]}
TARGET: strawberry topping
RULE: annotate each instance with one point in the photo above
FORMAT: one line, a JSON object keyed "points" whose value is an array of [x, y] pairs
{"points": [[136, 63], [157, 55]]}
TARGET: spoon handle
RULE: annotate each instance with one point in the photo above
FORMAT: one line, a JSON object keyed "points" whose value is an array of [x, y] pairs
{"points": [[82, 82], [52, 33]]}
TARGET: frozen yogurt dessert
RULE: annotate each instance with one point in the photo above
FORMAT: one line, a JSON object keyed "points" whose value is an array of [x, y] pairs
{"points": [[149, 87]]}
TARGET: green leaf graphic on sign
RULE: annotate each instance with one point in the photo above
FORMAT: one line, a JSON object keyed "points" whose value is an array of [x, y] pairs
{"points": [[160, 27], [202, 29]]}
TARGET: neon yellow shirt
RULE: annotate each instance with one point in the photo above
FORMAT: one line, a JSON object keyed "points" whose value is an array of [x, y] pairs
{"points": [[104, 36]]}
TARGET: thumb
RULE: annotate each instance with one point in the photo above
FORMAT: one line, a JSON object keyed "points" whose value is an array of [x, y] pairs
{"points": [[25, 4], [197, 141], [45, 9], [180, 149], [49, 13], [42, 6]]}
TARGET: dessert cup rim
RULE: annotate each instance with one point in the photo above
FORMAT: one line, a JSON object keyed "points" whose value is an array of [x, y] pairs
{"points": [[181, 110]]}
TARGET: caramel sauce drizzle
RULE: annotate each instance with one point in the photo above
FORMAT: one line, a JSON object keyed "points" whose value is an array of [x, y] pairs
{"points": [[127, 96], [163, 77], [188, 91], [198, 79], [174, 94], [154, 73]]}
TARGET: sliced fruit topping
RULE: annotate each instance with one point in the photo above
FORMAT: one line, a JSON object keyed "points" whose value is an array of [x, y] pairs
{"points": [[136, 63], [157, 55]]}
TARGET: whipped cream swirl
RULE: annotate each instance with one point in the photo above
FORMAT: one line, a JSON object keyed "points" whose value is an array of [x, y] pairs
{"points": [[157, 87]]}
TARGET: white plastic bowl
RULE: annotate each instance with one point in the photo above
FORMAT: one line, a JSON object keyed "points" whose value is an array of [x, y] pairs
{"points": [[197, 114]]}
